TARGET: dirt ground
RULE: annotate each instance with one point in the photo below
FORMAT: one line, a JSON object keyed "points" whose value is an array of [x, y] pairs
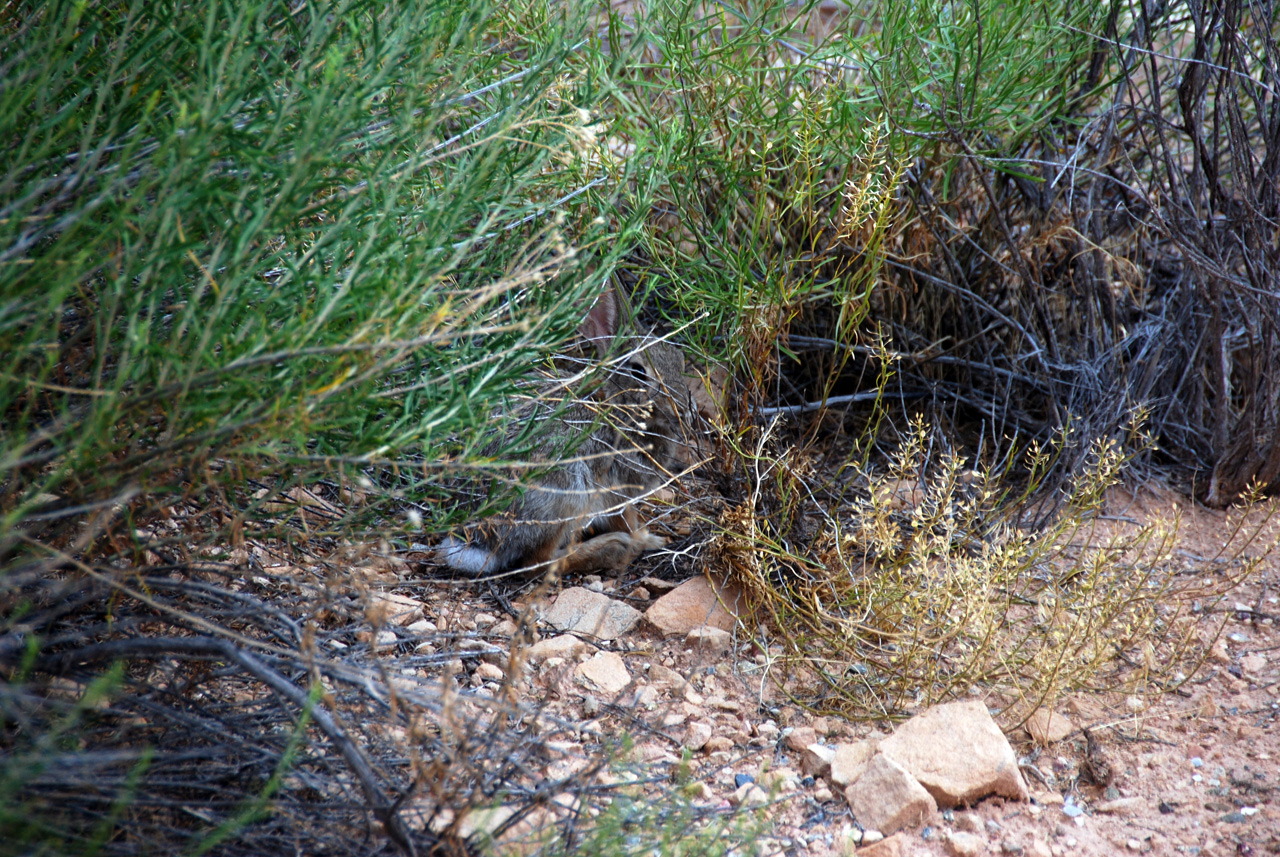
{"points": [[1194, 771]]}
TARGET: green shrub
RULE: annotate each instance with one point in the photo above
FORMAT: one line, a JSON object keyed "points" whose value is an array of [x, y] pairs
{"points": [[262, 239]]}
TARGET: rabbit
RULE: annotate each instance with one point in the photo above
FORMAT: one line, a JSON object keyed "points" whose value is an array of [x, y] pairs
{"points": [[634, 424]]}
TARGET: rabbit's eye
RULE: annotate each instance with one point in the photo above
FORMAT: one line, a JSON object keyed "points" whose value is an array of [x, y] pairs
{"points": [[636, 370]]}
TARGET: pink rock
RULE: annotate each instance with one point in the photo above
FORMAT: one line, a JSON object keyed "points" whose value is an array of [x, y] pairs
{"points": [[698, 736], [959, 844], [890, 847], [694, 604], [387, 608], [850, 761], [709, 641], [565, 646], [958, 753], [887, 798], [815, 761], [582, 611], [717, 744], [749, 796], [1048, 727], [667, 679], [605, 671], [1253, 664], [800, 737]]}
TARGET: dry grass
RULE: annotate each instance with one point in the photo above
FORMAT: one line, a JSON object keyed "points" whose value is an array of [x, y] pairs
{"points": [[903, 586]]}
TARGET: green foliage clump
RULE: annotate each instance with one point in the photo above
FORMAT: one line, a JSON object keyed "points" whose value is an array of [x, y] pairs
{"points": [[757, 128], [254, 258], [244, 239]]}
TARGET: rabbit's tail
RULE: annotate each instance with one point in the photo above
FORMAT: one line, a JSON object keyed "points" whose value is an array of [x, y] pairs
{"points": [[465, 557]]}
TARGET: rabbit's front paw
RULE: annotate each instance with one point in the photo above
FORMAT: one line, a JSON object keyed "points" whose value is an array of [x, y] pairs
{"points": [[647, 541]]}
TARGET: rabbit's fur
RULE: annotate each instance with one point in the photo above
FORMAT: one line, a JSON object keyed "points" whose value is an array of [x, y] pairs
{"points": [[634, 423]]}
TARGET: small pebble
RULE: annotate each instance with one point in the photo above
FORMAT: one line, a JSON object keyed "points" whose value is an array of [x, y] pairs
{"points": [[1197, 762], [740, 780]]}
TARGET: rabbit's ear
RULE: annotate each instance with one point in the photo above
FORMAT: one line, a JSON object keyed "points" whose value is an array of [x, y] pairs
{"points": [[601, 323]]}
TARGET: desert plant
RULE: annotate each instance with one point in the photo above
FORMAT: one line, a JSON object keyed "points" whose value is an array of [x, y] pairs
{"points": [[255, 261], [1104, 250], [1075, 228], [251, 239], [921, 581]]}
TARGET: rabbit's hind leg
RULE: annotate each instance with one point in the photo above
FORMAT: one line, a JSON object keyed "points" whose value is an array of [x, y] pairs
{"points": [[535, 550], [610, 552]]}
